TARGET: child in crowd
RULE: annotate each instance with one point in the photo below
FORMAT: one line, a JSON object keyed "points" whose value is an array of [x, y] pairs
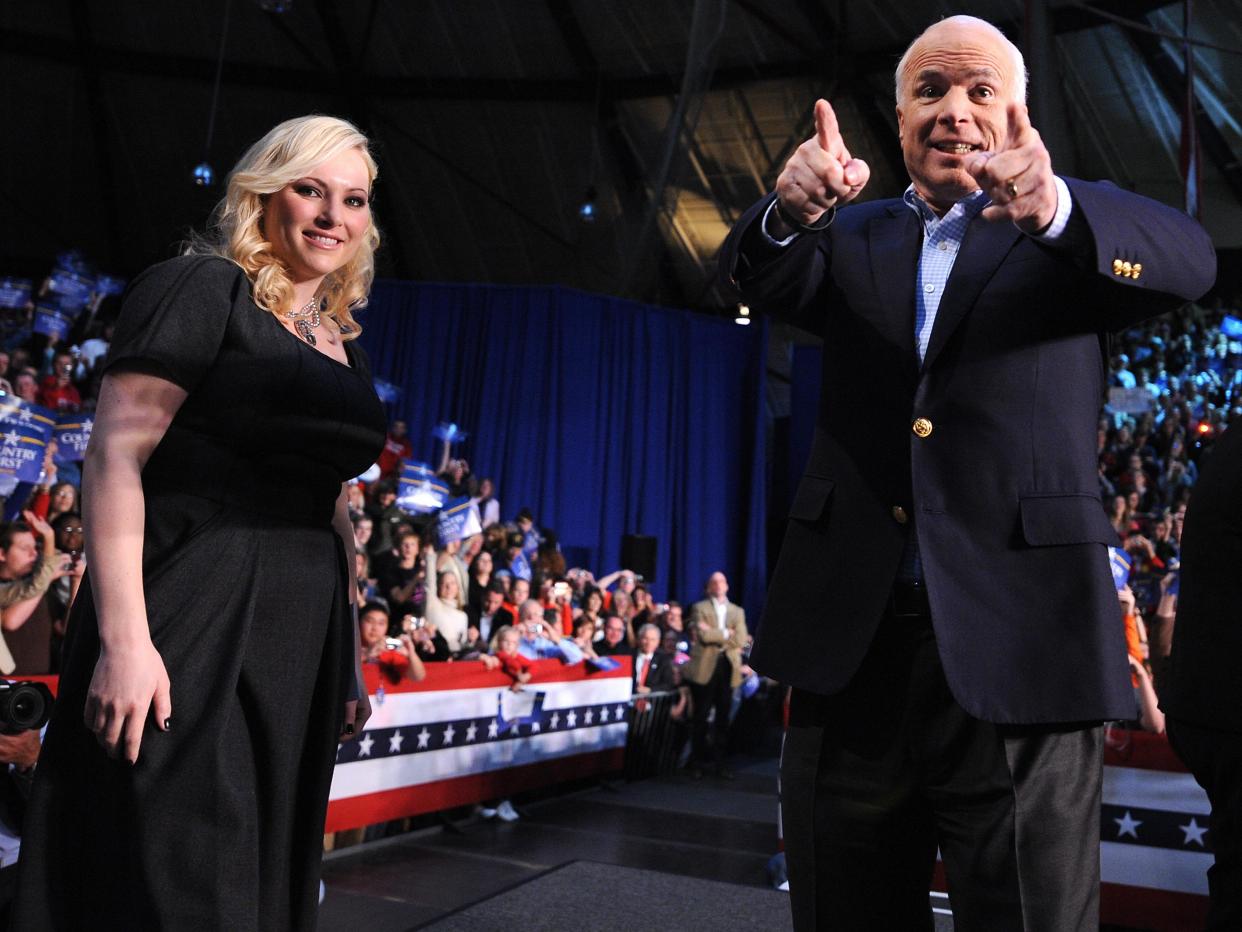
{"points": [[511, 662]]}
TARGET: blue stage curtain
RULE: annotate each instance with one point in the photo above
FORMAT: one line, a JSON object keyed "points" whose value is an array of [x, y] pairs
{"points": [[604, 416]]}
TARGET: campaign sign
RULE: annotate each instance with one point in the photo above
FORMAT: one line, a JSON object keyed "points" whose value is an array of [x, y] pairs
{"points": [[458, 520], [71, 284], [25, 430], [52, 321], [386, 391], [419, 491], [1231, 326], [1120, 562], [15, 292], [72, 433], [109, 285], [449, 433], [520, 567]]}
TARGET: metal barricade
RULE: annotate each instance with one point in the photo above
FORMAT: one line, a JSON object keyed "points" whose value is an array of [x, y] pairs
{"points": [[654, 738]]}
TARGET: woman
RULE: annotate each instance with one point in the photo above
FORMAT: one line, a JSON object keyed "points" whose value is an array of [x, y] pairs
{"points": [[592, 605], [480, 578], [235, 406], [61, 499], [443, 604]]}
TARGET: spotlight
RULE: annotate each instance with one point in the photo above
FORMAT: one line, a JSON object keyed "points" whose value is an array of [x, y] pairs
{"points": [[204, 175], [587, 210], [743, 315]]}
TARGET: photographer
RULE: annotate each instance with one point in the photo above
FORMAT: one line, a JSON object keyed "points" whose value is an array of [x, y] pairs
{"points": [[427, 639], [397, 657]]}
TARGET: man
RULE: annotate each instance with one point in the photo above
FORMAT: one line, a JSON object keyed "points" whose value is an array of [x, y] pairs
{"points": [[948, 514], [653, 668], [714, 671], [1199, 697], [491, 616], [396, 448], [613, 643]]}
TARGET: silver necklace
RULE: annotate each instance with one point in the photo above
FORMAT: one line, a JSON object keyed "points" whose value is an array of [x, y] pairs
{"points": [[305, 327]]}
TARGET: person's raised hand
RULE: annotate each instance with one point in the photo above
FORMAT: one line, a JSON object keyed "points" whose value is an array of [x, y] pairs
{"points": [[129, 683], [39, 526], [821, 173], [1018, 177]]}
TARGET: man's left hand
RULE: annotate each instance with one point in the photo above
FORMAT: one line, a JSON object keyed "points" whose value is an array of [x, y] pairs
{"points": [[1018, 178], [21, 749]]}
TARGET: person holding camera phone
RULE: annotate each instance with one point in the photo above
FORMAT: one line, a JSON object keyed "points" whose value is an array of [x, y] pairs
{"points": [[212, 658], [397, 657]]}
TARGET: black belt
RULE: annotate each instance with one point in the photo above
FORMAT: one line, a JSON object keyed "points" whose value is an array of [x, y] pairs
{"points": [[909, 600]]}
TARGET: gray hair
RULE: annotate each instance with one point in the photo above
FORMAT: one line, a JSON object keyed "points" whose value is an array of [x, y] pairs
{"points": [[648, 627], [529, 603], [1015, 53]]}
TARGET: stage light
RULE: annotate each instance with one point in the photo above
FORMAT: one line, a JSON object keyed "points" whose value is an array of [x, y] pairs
{"points": [[743, 315], [204, 175], [587, 210]]}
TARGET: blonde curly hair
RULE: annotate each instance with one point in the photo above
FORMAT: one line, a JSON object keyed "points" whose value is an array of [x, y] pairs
{"points": [[288, 152]]}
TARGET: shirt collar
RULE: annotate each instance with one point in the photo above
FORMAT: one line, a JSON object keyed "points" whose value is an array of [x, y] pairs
{"points": [[969, 206]]}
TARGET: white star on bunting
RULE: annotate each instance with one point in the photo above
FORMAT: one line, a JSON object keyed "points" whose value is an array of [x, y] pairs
{"points": [[394, 743], [589, 717], [472, 731], [449, 731], [620, 712], [493, 729], [571, 719], [555, 720], [1128, 825], [534, 727], [364, 746], [603, 714], [423, 737], [1194, 832]]}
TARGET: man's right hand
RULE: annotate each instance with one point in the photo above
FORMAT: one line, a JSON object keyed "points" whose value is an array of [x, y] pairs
{"points": [[821, 173]]}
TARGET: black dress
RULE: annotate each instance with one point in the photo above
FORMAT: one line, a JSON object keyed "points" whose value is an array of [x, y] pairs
{"points": [[219, 825]]}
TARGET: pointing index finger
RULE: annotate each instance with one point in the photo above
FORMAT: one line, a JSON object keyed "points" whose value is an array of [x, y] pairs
{"points": [[827, 132], [1019, 118]]}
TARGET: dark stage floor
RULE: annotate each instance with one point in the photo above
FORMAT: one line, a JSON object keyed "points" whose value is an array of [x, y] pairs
{"points": [[649, 849]]}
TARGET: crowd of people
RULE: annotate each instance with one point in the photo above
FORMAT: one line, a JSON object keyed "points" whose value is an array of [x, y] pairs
{"points": [[505, 597], [1175, 386]]}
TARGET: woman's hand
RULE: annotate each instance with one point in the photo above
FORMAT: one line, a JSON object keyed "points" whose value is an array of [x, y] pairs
{"points": [[357, 712], [129, 683]]}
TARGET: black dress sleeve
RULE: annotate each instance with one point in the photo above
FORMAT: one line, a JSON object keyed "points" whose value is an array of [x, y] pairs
{"points": [[174, 317]]}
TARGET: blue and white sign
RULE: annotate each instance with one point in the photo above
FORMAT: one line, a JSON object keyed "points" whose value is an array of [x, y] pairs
{"points": [[458, 520], [1231, 326], [419, 490], [15, 292], [109, 285], [386, 391], [1120, 563], [51, 320], [25, 430], [71, 284], [72, 433], [449, 433]]}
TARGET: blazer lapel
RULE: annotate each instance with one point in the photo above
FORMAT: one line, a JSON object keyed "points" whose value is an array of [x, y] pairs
{"points": [[894, 241], [983, 250]]}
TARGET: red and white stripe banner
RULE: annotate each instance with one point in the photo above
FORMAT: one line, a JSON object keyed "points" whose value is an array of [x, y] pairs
{"points": [[462, 736]]}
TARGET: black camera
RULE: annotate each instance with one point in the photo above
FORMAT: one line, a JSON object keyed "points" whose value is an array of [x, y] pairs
{"points": [[24, 706]]}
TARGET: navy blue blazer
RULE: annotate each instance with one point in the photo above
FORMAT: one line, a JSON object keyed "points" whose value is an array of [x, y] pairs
{"points": [[987, 450]]}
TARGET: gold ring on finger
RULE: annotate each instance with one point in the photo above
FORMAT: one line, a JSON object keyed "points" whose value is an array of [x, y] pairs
{"points": [[1011, 187]]}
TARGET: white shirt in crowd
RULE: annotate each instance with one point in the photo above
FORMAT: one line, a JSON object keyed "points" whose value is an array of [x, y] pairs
{"points": [[722, 608]]}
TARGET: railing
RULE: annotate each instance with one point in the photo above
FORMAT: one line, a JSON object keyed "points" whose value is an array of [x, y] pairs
{"points": [[655, 738]]}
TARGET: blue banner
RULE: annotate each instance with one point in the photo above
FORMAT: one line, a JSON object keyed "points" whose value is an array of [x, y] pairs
{"points": [[458, 520], [26, 430], [109, 285], [67, 283], [15, 292], [386, 391], [449, 432], [520, 567], [72, 434], [1120, 562], [52, 321], [419, 490], [1231, 326]]}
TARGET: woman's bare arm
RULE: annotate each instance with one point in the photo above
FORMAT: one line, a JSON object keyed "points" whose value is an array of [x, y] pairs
{"points": [[132, 415]]}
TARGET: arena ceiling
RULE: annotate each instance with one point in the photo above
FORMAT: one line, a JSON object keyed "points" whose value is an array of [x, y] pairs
{"points": [[494, 120]]}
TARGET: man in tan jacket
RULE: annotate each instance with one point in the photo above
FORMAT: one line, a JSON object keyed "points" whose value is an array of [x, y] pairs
{"points": [[714, 671]]}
